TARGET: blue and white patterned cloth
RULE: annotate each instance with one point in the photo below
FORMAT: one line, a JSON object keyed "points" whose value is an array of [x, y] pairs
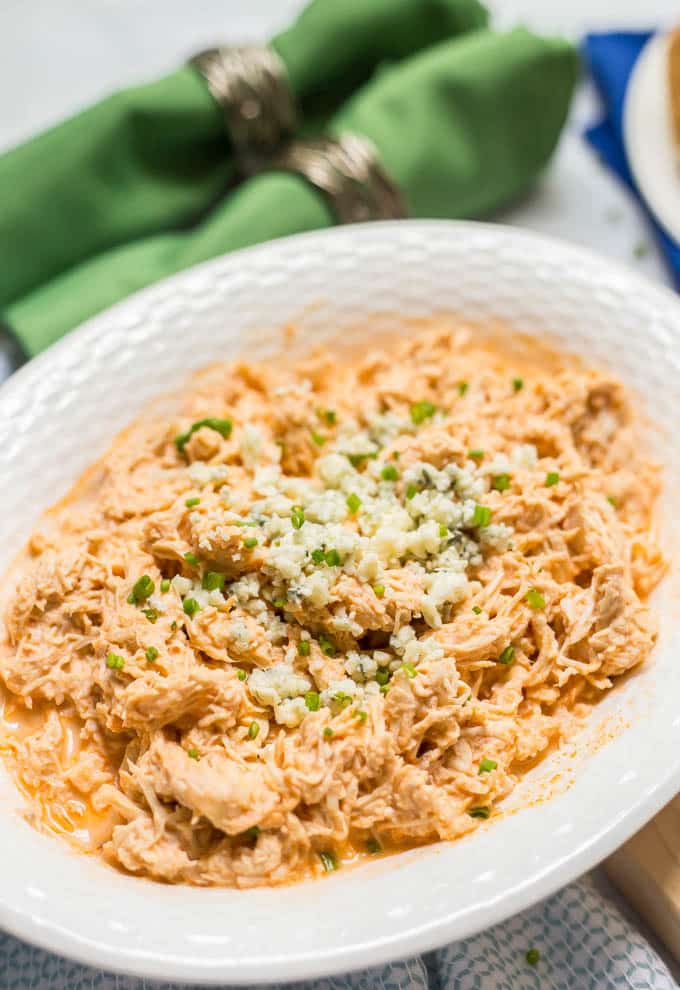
{"points": [[585, 943]]}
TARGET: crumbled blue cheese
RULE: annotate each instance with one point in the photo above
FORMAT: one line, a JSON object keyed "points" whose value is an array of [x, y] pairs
{"points": [[202, 474], [274, 685], [291, 712], [361, 666], [250, 444]]}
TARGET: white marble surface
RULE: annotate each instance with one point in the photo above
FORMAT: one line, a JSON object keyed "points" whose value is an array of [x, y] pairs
{"points": [[59, 55]]}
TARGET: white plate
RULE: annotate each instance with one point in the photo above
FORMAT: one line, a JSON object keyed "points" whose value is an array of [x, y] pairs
{"points": [[60, 412], [648, 135]]}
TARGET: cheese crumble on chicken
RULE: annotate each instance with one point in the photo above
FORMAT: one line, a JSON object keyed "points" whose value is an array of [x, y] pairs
{"points": [[326, 609]]}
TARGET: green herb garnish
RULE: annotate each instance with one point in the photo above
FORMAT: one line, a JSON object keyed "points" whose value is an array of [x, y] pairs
{"points": [[534, 598], [327, 732], [507, 656], [241, 674], [191, 502], [420, 411], [480, 812], [389, 473], [165, 584], [379, 590], [312, 700], [318, 438], [250, 542], [486, 766], [481, 516], [353, 502], [114, 661], [213, 581], [151, 654], [221, 426], [329, 861], [191, 558], [327, 647], [141, 590], [476, 454], [304, 647], [192, 753], [253, 730], [191, 607], [501, 482], [517, 384], [551, 478], [297, 517], [409, 669]]}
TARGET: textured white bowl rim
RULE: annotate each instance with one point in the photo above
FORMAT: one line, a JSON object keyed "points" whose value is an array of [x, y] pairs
{"points": [[42, 924]]}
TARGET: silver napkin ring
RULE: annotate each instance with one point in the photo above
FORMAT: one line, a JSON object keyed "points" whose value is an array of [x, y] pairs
{"points": [[250, 83], [348, 171]]}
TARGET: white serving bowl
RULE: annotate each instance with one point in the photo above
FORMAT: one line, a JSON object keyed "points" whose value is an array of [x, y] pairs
{"points": [[60, 412]]}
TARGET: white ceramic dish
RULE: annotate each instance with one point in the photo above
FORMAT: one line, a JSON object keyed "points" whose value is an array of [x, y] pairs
{"points": [[61, 411], [648, 135]]}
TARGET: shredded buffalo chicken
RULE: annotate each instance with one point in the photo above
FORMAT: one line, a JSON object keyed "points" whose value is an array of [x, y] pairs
{"points": [[328, 608]]}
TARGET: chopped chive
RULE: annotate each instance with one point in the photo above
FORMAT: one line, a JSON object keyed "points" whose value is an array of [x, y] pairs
{"points": [[420, 411], [332, 558], [482, 811], [486, 766], [221, 426], [318, 556], [463, 387], [476, 454], [250, 542], [253, 832], [327, 647], [342, 699], [409, 669], [534, 598], [318, 438], [360, 714], [551, 478], [213, 581], [395, 455], [356, 460], [411, 491], [192, 753], [191, 502], [382, 676], [327, 732], [173, 626], [304, 648], [151, 654], [612, 500], [389, 473], [141, 590], [280, 602], [501, 482], [297, 517], [329, 861], [165, 584], [443, 531], [481, 516], [379, 590], [312, 700], [114, 661], [151, 614], [241, 674], [384, 688], [330, 416], [190, 606], [191, 558], [353, 502], [533, 956], [518, 384], [253, 730], [507, 656], [373, 846], [476, 609]]}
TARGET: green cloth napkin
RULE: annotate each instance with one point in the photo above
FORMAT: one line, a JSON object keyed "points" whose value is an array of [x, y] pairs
{"points": [[462, 128], [156, 157]]}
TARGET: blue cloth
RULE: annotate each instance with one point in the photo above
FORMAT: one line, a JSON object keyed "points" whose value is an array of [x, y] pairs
{"points": [[611, 58]]}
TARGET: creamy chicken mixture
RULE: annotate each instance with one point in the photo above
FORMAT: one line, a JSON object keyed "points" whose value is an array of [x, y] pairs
{"points": [[328, 609]]}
